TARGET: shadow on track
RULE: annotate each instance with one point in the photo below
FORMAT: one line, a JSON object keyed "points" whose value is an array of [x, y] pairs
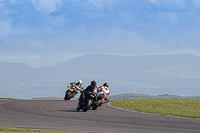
{"points": [[70, 110]]}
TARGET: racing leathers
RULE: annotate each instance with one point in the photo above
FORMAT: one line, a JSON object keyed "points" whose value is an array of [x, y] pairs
{"points": [[105, 91], [78, 85], [91, 88]]}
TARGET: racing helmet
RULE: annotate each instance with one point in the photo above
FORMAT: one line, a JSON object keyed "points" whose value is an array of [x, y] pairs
{"points": [[80, 81], [94, 83], [105, 84]]}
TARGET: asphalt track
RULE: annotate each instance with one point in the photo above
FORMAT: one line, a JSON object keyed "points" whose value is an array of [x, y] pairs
{"points": [[60, 115]]}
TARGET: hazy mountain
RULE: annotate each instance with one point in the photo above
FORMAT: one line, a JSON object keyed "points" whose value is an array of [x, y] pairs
{"points": [[142, 96], [7, 68], [150, 74], [168, 66]]}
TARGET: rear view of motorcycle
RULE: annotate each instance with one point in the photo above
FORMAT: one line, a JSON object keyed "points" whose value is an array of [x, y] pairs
{"points": [[100, 100], [87, 101]]}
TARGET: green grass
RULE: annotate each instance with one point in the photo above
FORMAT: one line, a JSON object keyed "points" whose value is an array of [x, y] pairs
{"points": [[8, 98], [16, 130], [174, 107]]}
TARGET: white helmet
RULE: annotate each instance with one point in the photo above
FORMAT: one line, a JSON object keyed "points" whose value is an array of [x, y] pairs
{"points": [[80, 81]]}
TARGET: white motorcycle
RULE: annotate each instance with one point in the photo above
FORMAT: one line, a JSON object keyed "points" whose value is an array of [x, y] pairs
{"points": [[100, 100]]}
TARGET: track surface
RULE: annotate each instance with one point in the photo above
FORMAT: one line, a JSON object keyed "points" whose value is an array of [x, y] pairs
{"points": [[62, 116]]}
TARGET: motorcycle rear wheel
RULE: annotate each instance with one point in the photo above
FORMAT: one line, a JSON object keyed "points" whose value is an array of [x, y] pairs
{"points": [[87, 105], [77, 108]]}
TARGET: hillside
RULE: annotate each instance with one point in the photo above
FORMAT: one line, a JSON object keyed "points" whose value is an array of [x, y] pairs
{"points": [[143, 96], [166, 66], [149, 74]]}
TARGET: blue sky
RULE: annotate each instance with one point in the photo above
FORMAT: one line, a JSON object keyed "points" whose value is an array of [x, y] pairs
{"points": [[44, 32]]}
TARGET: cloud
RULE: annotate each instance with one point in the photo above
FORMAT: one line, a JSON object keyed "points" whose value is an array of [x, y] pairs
{"points": [[156, 2], [15, 1], [2, 9], [5, 28], [197, 2], [38, 28], [2, 3], [172, 5], [175, 4], [46, 6], [168, 17], [8, 31], [101, 3], [97, 3]]}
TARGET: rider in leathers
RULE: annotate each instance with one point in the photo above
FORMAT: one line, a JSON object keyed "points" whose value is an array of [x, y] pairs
{"points": [[91, 88], [78, 85], [105, 90]]}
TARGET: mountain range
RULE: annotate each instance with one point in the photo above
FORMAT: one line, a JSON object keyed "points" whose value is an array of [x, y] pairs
{"points": [[177, 74]]}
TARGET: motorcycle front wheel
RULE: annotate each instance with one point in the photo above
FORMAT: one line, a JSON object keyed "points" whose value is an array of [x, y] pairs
{"points": [[68, 95], [95, 106]]}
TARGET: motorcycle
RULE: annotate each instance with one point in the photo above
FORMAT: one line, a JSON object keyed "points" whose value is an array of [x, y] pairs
{"points": [[87, 101], [100, 100], [70, 93]]}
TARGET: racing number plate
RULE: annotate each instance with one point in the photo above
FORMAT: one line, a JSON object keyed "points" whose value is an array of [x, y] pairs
{"points": [[71, 89]]}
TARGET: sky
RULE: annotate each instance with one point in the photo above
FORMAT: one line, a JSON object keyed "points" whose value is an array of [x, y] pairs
{"points": [[46, 32]]}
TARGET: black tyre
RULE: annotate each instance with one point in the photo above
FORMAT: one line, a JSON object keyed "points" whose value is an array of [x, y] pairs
{"points": [[68, 96], [89, 103], [94, 107], [78, 109], [85, 109]]}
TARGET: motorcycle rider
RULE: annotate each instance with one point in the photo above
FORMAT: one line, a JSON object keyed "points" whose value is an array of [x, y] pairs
{"points": [[91, 88], [78, 85], [105, 90]]}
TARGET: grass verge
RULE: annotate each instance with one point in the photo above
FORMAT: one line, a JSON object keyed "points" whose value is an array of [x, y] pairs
{"points": [[8, 98], [16, 130], [189, 108]]}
